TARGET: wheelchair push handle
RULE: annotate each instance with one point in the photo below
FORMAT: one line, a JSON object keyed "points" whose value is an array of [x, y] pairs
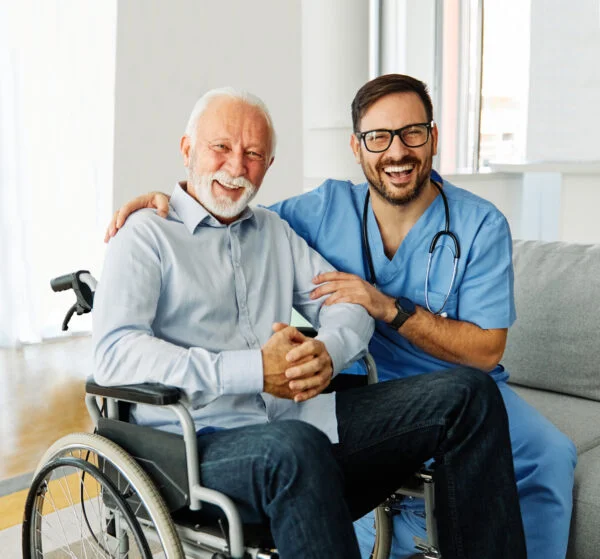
{"points": [[84, 286], [62, 283]]}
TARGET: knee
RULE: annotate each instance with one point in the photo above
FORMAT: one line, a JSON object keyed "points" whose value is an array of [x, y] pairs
{"points": [[299, 444], [478, 388], [476, 379], [546, 453]]}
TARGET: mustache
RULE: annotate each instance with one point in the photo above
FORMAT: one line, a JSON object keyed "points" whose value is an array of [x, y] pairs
{"points": [[408, 160], [225, 178]]}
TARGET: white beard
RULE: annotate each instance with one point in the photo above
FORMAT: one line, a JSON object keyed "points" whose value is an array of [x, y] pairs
{"points": [[221, 206]]}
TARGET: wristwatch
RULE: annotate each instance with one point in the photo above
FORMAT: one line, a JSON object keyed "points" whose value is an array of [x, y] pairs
{"points": [[406, 308]]}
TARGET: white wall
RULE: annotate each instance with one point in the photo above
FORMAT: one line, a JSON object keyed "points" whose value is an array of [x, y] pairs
{"points": [[564, 89], [335, 64], [169, 53]]}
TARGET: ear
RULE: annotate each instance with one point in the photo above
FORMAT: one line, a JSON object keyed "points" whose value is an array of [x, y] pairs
{"points": [[185, 146], [355, 146], [434, 138], [270, 163]]}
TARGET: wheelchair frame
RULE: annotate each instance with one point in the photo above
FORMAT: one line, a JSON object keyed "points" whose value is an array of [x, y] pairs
{"points": [[233, 546]]}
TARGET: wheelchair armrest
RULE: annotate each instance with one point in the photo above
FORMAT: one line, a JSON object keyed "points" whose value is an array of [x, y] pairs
{"points": [[148, 393], [308, 331], [345, 381]]}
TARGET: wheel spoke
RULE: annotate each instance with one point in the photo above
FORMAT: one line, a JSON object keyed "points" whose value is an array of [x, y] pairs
{"points": [[85, 487]]}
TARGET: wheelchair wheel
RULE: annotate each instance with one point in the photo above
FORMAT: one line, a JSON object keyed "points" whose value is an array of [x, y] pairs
{"points": [[89, 498], [383, 534]]}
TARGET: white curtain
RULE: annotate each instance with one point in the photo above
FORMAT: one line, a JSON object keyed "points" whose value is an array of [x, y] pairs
{"points": [[57, 68]]}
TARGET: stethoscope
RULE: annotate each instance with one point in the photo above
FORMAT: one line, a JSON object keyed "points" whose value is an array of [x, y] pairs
{"points": [[445, 232]]}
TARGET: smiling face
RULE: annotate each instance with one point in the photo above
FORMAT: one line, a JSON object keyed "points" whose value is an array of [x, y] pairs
{"points": [[229, 157], [399, 174]]}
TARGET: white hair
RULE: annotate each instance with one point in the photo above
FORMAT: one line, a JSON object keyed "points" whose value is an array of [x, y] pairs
{"points": [[202, 104]]}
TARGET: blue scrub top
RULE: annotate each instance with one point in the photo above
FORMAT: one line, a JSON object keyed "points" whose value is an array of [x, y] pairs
{"points": [[330, 219]]}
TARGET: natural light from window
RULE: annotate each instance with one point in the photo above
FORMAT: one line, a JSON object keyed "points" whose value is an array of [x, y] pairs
{"points": [[505, 81]]}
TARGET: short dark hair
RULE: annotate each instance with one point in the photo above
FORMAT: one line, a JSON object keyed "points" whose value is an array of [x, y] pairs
{"points": [[384, 85]]}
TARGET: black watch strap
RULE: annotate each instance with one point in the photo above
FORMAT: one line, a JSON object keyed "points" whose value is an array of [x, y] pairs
{"points": [[406, 308]]}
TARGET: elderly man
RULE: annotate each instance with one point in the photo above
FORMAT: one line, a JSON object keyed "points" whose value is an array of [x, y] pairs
{"points": [[191, 301]]}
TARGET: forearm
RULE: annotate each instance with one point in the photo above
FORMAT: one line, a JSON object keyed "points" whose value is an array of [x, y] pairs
{"points": [[132, 357], [455, 341]]}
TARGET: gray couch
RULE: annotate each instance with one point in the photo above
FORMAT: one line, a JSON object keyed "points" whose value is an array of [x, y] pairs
{"points": [[553, 355]]}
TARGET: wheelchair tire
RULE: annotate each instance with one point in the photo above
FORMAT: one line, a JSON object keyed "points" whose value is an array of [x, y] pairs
{"points": [[62, 515], [383, 534]]}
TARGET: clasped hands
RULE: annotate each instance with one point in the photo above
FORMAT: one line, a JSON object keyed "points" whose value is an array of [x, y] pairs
{"points": [[295, 366]]}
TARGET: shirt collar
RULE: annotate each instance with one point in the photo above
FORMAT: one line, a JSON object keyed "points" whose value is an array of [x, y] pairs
{"points": [[192, 213]]}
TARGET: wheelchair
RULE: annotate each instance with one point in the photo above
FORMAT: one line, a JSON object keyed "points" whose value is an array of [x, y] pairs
{"points": [[121, 492]]}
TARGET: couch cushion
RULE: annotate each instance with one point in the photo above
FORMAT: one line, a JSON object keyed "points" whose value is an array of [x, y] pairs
{"points": [[555, 342], [577, 418], [584, 541]]}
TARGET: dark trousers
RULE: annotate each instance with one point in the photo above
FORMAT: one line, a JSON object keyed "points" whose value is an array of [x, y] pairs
{"points": [[288, 474]]}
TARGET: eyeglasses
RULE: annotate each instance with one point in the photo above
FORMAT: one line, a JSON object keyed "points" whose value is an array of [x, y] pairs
{"points": [[412, 136]]}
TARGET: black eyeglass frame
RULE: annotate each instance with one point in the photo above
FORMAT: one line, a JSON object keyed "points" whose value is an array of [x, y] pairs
{"points": [[398, 132]]}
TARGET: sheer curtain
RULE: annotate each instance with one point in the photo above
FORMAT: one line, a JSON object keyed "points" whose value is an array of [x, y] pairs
{"points": [[57, 68]]}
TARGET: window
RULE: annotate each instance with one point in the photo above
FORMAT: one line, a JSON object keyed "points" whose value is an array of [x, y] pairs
{"points": [[57, 62], [477, 71], [505, 82]]}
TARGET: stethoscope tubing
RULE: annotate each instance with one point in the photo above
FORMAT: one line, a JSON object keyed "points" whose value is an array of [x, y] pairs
{"points": [[444, 232]]}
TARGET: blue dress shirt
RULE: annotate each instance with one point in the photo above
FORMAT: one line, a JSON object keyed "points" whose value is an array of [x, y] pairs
{"points": [[188, 301]]}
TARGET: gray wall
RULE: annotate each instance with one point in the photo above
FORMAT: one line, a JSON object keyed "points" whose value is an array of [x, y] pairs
{"points": [[169, 53]]}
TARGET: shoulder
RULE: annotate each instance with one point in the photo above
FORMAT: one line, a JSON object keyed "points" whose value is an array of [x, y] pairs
{"points": [[148, 218], [306, 212], [330, 191], [267, 219], [146, 227], [470, 206], [338, 191], [265, 215]]}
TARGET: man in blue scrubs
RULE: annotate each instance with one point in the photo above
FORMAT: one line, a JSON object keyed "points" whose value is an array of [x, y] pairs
{"points": [[430, 315]]}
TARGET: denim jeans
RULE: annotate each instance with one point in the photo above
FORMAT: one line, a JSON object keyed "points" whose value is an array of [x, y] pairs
{"points": [[283, 474], [288, 474], [388, 430]]}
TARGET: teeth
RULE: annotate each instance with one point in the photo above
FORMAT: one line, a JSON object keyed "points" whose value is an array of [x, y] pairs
{"points": [[398, 168], [229, 186]]}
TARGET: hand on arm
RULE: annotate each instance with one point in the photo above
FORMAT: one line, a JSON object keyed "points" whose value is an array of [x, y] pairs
{"points": [[156, 200], [349, 288], [454, 341]]}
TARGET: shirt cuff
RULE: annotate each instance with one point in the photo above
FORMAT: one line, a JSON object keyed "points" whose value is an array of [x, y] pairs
{"points": [[241, 371], [335, 349]]}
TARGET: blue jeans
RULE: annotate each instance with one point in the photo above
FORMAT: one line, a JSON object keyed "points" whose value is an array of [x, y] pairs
{"points": [[288, 474], [283, 474], [544, 461]]}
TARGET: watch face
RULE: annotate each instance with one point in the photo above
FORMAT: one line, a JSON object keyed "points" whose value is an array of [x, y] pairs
{"points": [[405, 304], [406, 308]]}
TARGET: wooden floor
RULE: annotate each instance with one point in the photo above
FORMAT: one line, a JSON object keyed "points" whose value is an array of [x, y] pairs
{"points": [[41, 399]]}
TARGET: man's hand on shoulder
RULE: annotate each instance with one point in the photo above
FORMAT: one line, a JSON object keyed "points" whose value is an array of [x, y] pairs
{"points": [[294, 366], [156, 200]]}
